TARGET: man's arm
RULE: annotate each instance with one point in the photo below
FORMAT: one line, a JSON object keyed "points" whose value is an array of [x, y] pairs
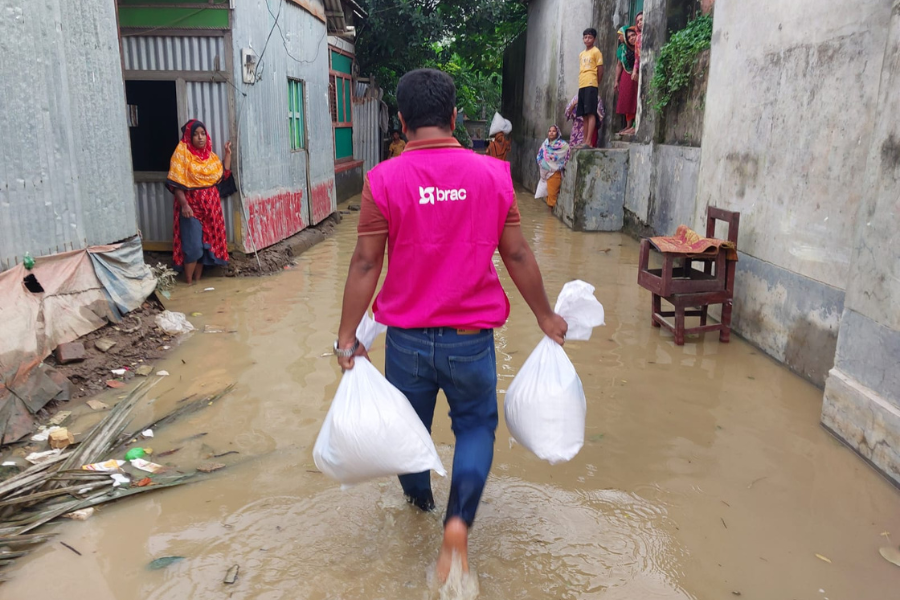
{"points": [[525, 273], [365, 269], [599, 74]]}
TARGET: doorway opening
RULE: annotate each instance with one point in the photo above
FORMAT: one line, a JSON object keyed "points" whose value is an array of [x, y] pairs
{"points": [[153, 123]]}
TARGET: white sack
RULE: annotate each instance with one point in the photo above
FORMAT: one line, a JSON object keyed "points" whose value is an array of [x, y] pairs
{"points": [[541, 191], [545, 405], [498, 124], [371, 430]]}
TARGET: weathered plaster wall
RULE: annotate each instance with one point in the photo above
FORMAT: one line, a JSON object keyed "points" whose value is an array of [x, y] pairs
{"points": [[784, 144], [592, 197], [862, 394], [662, 187]]}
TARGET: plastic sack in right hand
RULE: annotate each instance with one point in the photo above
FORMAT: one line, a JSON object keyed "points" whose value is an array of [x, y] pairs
{"points": [[371, 429], [545, 405]]}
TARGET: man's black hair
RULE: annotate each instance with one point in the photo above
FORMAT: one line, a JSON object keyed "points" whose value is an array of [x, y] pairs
{"points": [[590, 31], [426, 98]]}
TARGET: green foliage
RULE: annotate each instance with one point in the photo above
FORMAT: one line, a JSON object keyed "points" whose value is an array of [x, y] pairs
{"points": [[462, 136], [465, 38], [677, 59]]}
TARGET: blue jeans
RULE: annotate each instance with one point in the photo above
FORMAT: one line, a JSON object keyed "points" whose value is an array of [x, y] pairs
{"points": [[419, 362]]}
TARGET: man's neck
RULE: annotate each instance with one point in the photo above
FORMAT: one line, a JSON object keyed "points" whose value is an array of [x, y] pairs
{"points": [[428, 133]]}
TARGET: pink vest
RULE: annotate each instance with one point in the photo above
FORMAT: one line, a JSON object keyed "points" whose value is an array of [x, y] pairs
{"points": [[446, 209]]}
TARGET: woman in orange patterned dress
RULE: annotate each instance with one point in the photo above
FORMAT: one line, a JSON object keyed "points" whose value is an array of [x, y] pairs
{"points": [[199, 228]]}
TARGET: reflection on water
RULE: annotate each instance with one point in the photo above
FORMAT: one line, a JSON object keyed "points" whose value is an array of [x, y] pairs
{"points": [[704, 470]]}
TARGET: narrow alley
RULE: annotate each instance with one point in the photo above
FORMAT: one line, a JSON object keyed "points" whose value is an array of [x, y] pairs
{"points": [[705, 472]]}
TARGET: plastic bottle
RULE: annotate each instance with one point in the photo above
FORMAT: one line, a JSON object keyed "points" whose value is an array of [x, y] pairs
{"points": [[28, 261]]}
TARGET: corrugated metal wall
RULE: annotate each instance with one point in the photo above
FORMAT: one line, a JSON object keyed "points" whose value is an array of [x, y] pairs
{"points": [[204, 100], [65, 160], [367, 132], [168, 53], [278, 184]]}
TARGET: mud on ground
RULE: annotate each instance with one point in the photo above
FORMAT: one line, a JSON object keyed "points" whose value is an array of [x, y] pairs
{"points": [[273, 259], [138, 342]]}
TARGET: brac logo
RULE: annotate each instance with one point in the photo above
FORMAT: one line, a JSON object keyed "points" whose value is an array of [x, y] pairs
{"points": [[428, 195]]}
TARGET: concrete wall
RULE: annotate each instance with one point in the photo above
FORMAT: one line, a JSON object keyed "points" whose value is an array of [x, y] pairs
{"points": [[862, 394], [283, 190], [784, 143], [592, 196], [65, 160]]}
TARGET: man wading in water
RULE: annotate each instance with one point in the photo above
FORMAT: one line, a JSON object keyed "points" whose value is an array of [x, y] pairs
{"points": [[444, 211]]}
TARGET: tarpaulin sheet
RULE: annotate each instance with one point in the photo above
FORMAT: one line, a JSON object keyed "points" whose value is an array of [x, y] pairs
{"points": [[83, 291]]}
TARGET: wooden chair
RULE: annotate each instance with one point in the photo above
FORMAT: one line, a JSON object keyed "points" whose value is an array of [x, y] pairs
{"points": [[690, 290]]}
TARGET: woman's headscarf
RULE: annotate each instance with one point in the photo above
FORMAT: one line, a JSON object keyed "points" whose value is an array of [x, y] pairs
{"points": [[194, 168], [625, 51], [553, 155]]}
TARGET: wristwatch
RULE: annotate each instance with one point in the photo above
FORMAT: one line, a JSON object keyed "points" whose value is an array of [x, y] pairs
{"points": [[348, 352]]}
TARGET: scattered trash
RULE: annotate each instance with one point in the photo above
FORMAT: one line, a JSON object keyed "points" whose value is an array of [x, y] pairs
{"points": [[144, 370], [120, 479], [97, 405], [146, 465], [173, 323], [210, 467], [209, 289], [134, 453], [9, 463], [212, 329], [196, 314], [43, 434], [232, 574], [37, 458], [28, 261], [60, 417], [115, 384], [118, 372], [165, 278], [890, 554], [225, 454], [190, 438], [147, 433], [144, 482], [736, 593], [61, 438], [162, 563], [162, 373], [169, 452], [71, 548], [825, 558], [80, 515], [104, 467], [104, 344]]}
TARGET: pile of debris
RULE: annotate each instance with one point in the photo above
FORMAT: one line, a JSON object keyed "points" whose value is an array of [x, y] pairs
{"points": [[71, 478]]}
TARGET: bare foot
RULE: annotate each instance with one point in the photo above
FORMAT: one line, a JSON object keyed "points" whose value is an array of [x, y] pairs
{"points": [[456, 542]]}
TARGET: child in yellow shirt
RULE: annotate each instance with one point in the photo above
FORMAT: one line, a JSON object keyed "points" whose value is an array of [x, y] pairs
{"points": [[589, 76]]}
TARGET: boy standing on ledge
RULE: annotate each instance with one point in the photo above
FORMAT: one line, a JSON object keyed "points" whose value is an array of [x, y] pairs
{"points": [[589, 76]]}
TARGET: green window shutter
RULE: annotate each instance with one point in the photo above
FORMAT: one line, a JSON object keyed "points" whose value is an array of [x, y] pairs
{"points": [[341, 63]]}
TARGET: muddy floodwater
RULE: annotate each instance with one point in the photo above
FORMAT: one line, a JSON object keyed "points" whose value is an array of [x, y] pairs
{"points": [[705, 473]]}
